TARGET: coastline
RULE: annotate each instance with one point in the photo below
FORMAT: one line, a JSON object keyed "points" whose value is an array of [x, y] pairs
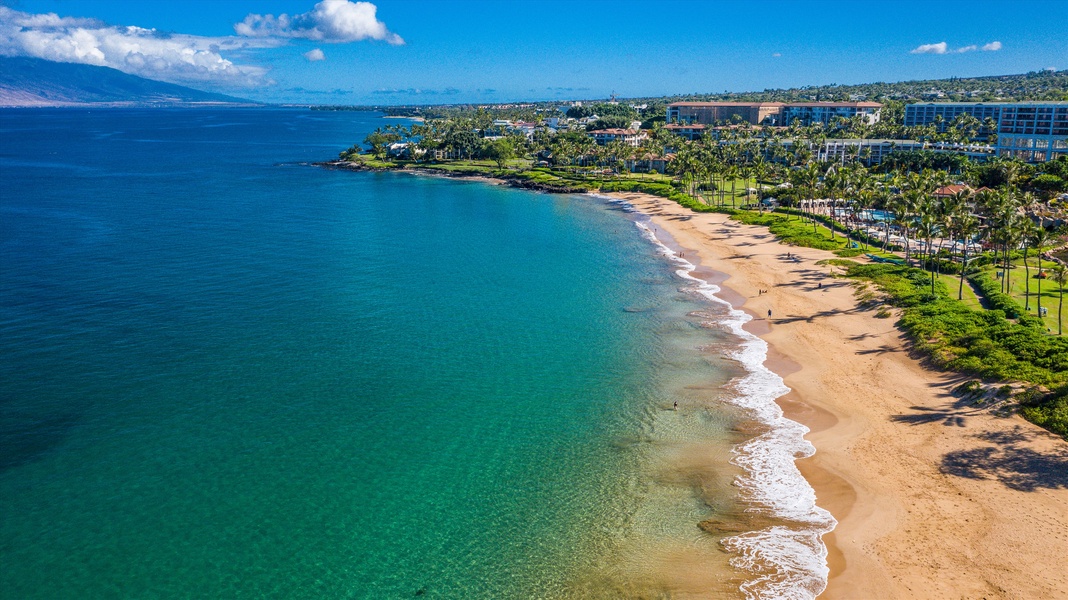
{"points": [[934, 497], [516, 182]]}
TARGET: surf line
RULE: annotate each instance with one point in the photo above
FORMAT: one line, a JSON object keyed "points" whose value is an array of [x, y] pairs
{"points": [[787, 561]]}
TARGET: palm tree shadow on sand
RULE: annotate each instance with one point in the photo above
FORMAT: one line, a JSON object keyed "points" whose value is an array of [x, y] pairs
{"points": [[1007, 458]]}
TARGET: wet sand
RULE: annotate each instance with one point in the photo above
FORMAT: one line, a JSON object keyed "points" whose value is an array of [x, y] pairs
{"points": [[935, 497]]}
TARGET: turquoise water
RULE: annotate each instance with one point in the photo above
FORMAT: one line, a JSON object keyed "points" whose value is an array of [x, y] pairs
{"points": [[227, 373]]}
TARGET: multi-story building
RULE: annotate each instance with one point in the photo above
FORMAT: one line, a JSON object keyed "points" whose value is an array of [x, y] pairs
{"points": [[874, 151], [690, 132], [711, 113], [1033, 131], [696, 130], [807, 113], [769, 113], [1029, 131], [630, 137], [928, 113]]}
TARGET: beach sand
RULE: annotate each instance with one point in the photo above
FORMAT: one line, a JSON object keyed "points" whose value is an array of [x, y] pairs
{"points": [[935, 497]]}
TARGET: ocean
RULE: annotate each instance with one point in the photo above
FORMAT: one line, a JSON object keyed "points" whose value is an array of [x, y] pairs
{"points": [[229, 373]]}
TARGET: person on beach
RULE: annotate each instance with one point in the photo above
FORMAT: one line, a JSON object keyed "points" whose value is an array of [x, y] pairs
{"points": [[769, 313], [676, 406]]}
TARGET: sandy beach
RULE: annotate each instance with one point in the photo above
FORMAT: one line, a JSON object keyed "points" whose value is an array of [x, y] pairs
{"points": [[935, 497]]}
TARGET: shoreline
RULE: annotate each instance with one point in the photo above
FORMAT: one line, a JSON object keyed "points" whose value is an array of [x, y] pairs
{"points": [[515, 182], [933, 498]]}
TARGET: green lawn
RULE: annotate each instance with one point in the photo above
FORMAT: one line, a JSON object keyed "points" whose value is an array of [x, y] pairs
{"points": [[1050, 292], [969, 298]]}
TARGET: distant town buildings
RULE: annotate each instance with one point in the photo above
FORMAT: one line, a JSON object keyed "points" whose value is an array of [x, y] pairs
{"points": [[1029, 131], [770, 113]]}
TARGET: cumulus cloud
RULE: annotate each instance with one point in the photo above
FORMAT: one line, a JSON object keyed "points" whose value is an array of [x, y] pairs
{"points": [[939, 48], [148, 53], [314, 55], [332, 21], [777, 54], [943, 48]]}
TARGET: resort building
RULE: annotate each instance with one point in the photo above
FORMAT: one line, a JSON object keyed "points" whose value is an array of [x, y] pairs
{"points": [[1033, 131], [875, 151], [942, 114], [1029, 131], [690, 132], [648, 163], [696, 130], [630, 137], [769, 113], [711, 113], [807, 113]]}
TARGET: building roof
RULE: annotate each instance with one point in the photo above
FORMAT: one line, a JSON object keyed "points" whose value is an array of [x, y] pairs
{"points": [[999, 104], [952, 190], [836, 104], [747, 104]]}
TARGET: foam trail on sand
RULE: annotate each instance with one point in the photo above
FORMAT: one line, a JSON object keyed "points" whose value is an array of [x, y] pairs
{"points": [[788, 561]]}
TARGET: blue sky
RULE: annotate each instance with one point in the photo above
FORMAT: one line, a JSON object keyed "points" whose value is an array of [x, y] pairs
{"points": [[427, 52]]}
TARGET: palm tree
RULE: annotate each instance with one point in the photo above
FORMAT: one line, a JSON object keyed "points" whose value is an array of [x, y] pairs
{"points": [[834, 182], [1061, 277], [967, 225], [760, 173], [809, 177], [928, 227], [1027, 231], [1010, 237], [1040, 238], [732, 171]]}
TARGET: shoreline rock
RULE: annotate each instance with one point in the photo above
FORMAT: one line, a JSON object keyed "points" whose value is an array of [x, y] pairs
{"points": [[509, 180]]}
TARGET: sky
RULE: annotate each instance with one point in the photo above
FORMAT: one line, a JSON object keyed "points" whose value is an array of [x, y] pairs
{"points": [[484, 51]]}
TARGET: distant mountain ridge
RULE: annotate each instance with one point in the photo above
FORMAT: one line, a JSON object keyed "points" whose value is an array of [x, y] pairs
{"points": [[36, 82]]}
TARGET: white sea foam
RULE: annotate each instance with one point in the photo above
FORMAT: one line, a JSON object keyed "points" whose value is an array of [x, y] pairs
{"points": [[787, 561], [621, 203]]}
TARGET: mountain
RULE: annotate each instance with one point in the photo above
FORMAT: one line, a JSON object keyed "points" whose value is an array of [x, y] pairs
{"points": [[36, 82]]}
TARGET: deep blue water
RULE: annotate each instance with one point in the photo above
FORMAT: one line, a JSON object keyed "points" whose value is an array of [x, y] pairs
{"points": [[227, 373]]}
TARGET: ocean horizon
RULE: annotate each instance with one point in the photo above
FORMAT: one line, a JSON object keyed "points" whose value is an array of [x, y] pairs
{"points": [[229, 372]]}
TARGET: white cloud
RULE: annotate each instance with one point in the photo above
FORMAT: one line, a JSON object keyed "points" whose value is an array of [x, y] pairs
{"points": [[314, 55], [148, 53], [777, 54], [943, 48], [332, 21], [939, 48]]}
